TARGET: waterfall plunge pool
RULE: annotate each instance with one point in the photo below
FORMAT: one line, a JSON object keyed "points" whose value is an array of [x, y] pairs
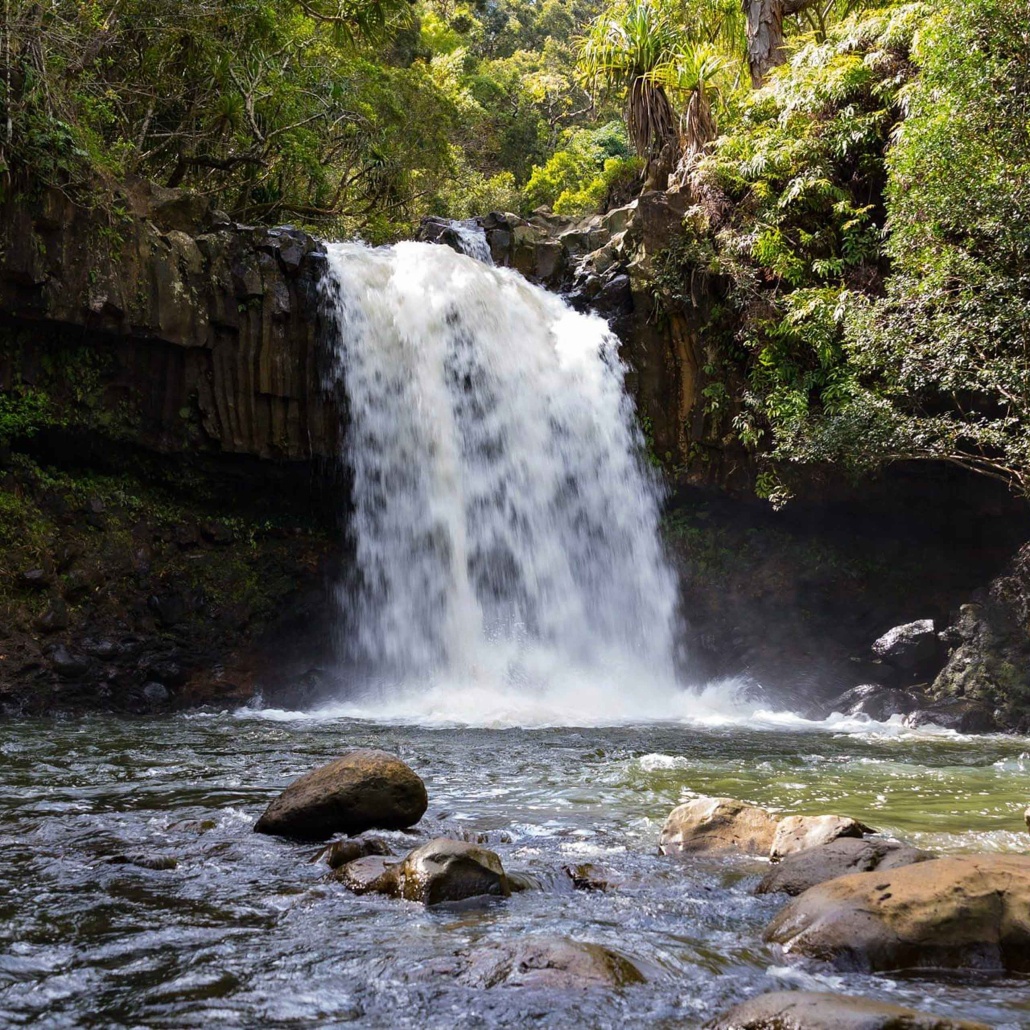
{"points": [[246, 930]]}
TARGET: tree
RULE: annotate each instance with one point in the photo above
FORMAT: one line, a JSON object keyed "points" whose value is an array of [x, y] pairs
{"points": [[626, 52], [765, 48]]}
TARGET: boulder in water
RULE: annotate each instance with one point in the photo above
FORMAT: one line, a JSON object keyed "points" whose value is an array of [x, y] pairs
{"points": [[875, 700], [717, 824], [554, 963], [371, 874], [961, 716], [912, 649], [363, 790], [340, 852], [950, 913], [797, 872], [451, 870], [796, 833], [818, 1010]]}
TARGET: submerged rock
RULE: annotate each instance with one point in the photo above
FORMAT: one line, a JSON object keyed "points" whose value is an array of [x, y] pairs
{"points": [[875, 700], [451, 870], [555, 963], [717, 824], [796, 833], [817, 1010], [797, 872], [340, 852], [372, 874], [949, 913], [960, 716], [363, 790]]}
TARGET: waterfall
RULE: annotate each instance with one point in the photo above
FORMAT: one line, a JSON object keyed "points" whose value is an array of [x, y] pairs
{"points": [[505, 526]]}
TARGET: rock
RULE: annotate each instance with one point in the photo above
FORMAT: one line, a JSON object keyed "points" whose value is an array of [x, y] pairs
{"points": [[799, 832], [817, 1010], [340, 852], [949, 913], [877, 701], [912, 649], [1026, 818], [797, 872], [35, 579], [717, 824], [588, 877], [67, 664], [372, 874], [960, 716], [155, 693], [551, 963], [54, 618], [363, 790], [157, 862], [451, 870]]}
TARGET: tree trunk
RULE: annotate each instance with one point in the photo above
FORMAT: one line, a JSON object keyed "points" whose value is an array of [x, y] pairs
{"points": [[765, 34]]}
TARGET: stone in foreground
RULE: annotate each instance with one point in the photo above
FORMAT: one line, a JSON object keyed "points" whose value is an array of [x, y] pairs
{"points": [[814, 1010], [451, 870], [951, 913], [797, 872], [796, 833], [363, 790], [717, 824], [554, 963]]}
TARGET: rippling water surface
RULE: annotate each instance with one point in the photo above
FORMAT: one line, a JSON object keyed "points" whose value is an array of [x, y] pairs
{"points": [[244, 930]]}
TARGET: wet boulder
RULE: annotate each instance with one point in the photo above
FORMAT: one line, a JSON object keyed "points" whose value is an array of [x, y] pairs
{"points": [[554, 963], [796, 833], [841, 857], [1026, 818], [818, 1010], [717, 824], [451, 870], [371, 874], [340, 852], [875, 700], [950, 913], [912, 649], [363, 790], [960, 716]]}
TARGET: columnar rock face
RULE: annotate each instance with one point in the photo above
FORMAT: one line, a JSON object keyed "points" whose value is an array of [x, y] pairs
{"points": [[206, 331]]}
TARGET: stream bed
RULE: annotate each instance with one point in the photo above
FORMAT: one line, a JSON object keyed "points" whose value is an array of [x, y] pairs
{"points": [[240, 929]]}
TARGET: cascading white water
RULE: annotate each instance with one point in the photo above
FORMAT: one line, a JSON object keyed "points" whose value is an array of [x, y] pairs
{"points": [[506, 530]]}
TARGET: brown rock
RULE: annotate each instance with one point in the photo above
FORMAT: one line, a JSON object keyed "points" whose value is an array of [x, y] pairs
{"points": [[451, 870], [717, 824], [814, 1010], [340, 852], [553, 963], [797, 872], [948, 913], [1026, 818], [800, 832], [372, 874], [361, 791]]}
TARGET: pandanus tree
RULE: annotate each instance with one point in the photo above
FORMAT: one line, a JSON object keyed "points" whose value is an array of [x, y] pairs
{"points": [[625, 53], [693, 76]]}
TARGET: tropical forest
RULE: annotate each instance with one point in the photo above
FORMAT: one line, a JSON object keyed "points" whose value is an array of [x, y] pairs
{"points": [[515, 513]]}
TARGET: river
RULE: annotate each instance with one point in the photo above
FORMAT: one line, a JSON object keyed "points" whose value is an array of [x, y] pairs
{"points": [[241, 929]]}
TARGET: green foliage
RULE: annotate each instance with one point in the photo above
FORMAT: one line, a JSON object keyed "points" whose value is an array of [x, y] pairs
{"points": [[578, 179], [937, 368], [23, 412], [349, 115]]}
